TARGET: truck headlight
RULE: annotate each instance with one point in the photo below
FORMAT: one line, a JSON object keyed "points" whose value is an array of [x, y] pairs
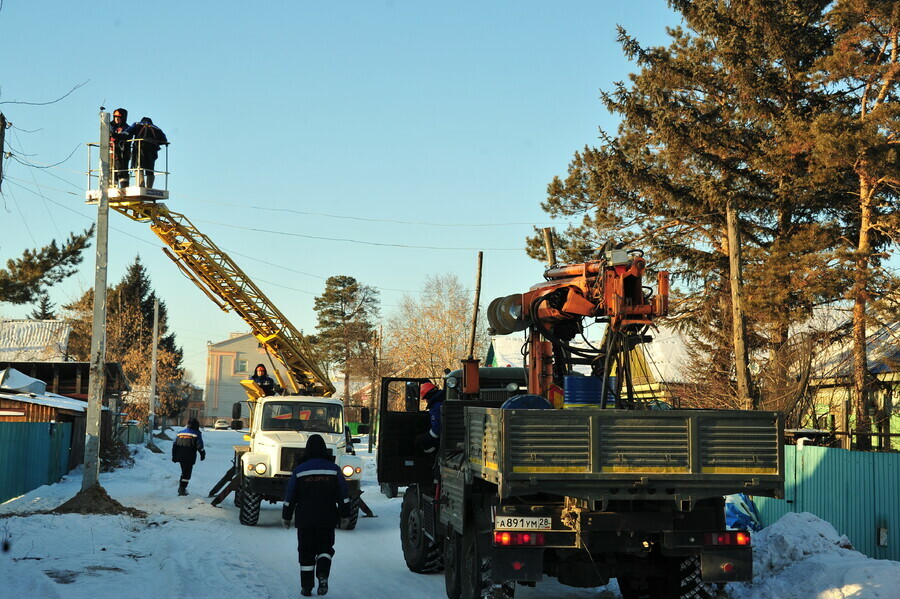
{"points": [[348, 471], [260, 468]]}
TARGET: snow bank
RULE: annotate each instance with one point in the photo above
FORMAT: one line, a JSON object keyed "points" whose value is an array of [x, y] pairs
{"points": [[804, 557]]}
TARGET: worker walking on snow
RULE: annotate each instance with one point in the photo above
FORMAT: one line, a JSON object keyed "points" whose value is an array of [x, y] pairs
{"points": [[187, 445], [316, 498]]}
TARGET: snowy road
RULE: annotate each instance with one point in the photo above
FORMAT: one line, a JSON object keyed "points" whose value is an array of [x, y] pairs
{"points": [[187, 547]]}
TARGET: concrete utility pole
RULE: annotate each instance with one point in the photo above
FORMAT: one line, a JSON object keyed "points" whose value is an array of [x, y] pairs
{"points": [[151, 403], [97, 381], [739, 326]]}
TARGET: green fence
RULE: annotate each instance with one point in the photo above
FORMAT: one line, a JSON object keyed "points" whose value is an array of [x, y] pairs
{"points": [[32, 454], [857, 492]]}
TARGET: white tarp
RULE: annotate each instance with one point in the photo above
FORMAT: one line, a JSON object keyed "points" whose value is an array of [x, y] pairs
{"points": [[13, 380]]}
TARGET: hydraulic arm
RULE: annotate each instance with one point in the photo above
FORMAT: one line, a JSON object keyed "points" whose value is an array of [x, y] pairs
{"points": [[216, 274]]}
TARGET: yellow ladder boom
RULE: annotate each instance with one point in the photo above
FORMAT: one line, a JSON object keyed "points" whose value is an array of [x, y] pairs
{"points": [[213, 271]]}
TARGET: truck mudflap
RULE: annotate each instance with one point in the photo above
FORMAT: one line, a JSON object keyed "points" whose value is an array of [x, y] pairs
{"points": [[726, 565]]}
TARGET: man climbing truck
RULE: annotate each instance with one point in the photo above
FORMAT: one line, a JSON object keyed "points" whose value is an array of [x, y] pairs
{"points": [[541, 472]]}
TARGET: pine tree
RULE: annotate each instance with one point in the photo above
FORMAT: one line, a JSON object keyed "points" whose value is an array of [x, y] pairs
{"points": [[719, 116], [24, 279], [346, 313], [860, 136], [44, 309], [129, 339]]}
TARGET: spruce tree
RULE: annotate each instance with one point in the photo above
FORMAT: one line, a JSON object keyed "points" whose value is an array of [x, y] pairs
{"points": [[44, 309], [25, 279], [346, 313]]}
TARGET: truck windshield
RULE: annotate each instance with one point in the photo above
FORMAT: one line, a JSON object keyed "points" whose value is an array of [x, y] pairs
{"points": [[302, 416]]}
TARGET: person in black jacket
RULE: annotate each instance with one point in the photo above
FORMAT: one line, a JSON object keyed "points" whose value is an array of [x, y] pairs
{"points": [[121, 148], [147, 140], [187, 445], [316, 498], [262, 378]]}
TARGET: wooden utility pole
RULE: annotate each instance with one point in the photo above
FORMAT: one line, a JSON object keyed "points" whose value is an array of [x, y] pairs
{"points": [[548, 246], [151, 402], [2, 141], [474, 325], [739, 327], [97, 381]]}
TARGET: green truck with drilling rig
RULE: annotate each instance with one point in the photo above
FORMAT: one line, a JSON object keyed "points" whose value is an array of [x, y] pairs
{"points": [[605, 488]]}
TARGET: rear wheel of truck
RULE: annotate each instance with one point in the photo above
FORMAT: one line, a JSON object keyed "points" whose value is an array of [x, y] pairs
{"points": [[422, 555], [354, 514], [452, 556], [683, 580], [389, 490], [476, 580], [250, 508]]}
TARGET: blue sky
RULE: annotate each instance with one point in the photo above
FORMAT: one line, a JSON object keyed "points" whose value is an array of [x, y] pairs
{"points": [[388, 141]]}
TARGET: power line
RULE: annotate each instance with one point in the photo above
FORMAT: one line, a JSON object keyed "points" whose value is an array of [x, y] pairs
{"points": [[357, 241], [361, 218]]}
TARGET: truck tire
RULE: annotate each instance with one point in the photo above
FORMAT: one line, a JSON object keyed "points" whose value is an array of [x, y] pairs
{"points": [[389, 490], [690, 585], [683, 581], [250, 508], [354, 514], [422, 555], [476, 581], [452, 564]]}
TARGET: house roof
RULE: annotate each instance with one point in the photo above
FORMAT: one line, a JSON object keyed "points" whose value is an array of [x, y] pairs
{"points": [[17, 386], [882, 354], [34, 340]]}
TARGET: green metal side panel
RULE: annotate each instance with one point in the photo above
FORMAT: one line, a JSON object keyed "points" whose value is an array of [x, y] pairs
{"points": [[855, 491], [887, 492], [32, 454]]}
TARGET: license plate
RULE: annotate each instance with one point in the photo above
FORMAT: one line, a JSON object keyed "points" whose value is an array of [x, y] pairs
{"points": [[519, 523]]}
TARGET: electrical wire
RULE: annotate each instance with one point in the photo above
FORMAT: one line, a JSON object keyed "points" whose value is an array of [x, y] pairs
{"points": [[357, 241]]}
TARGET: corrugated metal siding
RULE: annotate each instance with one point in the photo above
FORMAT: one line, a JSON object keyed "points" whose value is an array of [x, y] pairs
{"points": [[32, 454], [855, 491]]}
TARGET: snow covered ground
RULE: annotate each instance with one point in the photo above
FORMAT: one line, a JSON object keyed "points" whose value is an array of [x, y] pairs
{"points": [[187, 547]]}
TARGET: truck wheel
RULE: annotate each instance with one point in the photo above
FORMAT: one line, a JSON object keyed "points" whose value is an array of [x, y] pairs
{"points": [[354, 514], [683, 581], [421, 554], [389, 490], [250, 508], [452, 556], [476, 580]]}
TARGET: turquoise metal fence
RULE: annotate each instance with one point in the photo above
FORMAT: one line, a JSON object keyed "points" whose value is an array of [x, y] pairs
{"points": [[857, 492], [130, 434], [32, 454]]}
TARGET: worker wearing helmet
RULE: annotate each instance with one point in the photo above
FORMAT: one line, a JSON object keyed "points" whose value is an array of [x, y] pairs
{"points": [[434, 399]]}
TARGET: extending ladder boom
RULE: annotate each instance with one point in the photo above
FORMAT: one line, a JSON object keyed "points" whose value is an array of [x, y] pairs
{"points": [[214, 272]]}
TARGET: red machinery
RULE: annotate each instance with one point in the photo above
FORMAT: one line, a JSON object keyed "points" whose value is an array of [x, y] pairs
{"points": [[610, 290]]}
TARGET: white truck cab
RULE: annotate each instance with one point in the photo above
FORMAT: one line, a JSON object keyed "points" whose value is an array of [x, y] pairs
{"points": [[279, 429]]}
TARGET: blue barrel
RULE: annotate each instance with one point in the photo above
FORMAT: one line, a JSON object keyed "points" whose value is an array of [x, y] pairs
{"points": [[581, 391]]}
